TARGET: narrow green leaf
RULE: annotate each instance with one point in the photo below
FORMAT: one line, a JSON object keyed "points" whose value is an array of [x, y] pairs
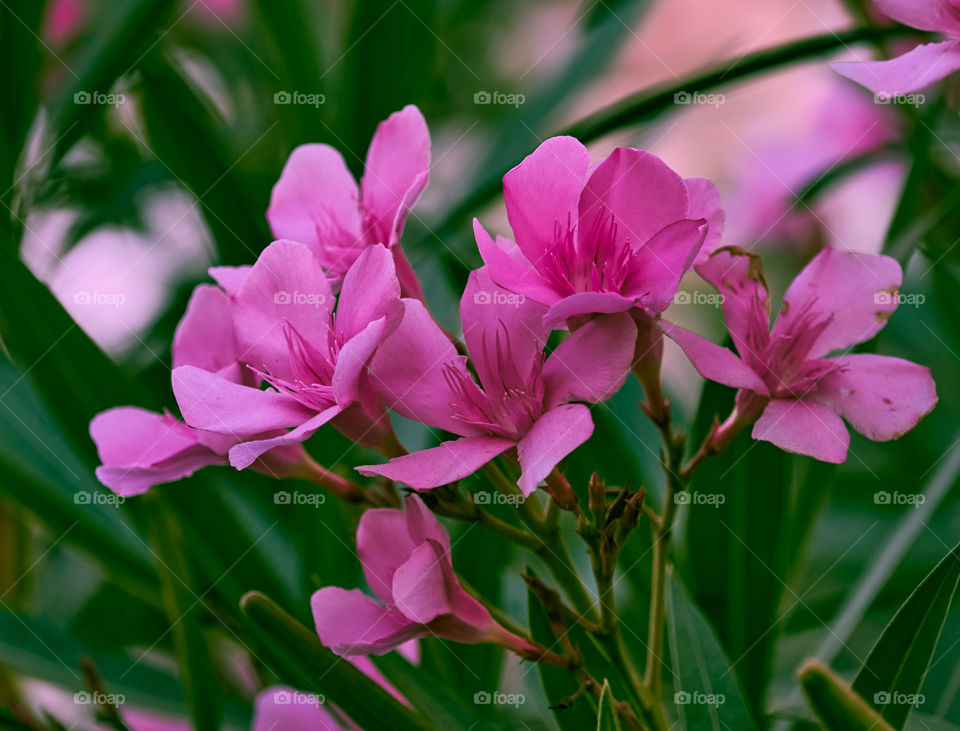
{"points": [[836, 704], [184, 608], [607, 719], [298, 658], [707, 693], [893, 672]]}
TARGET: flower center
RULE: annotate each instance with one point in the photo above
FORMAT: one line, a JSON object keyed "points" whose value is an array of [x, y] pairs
{"points": [[588, 260]]}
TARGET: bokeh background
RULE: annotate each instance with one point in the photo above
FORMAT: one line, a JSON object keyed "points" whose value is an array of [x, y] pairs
{"points": [[141, 139]]}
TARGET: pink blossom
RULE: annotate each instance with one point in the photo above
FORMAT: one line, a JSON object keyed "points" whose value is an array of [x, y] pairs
{"points": [[283, 317], [406, 559], [316, 200], [605, 241], [920, 67], [795, 394], [524, 399], [140, 448]]}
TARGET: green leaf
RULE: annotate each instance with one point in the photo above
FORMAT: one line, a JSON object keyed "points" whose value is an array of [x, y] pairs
{"points": [[894, 670], [184, 608], [298, 658], [707, 693], [607, 719], [836, 704]]}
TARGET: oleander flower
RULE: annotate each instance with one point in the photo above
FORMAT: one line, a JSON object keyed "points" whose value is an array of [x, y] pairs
{"points": [[524, 399], [316, 363], [140, 448], [611, 240], [793, 394], [925, 64], [406, 560], [316, 200]]}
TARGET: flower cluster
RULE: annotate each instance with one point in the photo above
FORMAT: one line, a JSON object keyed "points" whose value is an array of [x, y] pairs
{"points": [[330, 329]]}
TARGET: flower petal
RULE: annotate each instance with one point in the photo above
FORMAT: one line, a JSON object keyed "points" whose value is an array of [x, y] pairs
{"points": [[905, 74], [705, 203], [714, 362], [274, 709], [449, 462], [351, 623], [551, 438], [246, 453], [383, 544], [229, 278], [510, 269], [419, 586], [659, 265], [370, 292], [587, 303], [804, 427], [853, 290], [204, 337], [396, 172], [881, 397], [352, 362], [933, 15], [593, 362], [542, 193]]}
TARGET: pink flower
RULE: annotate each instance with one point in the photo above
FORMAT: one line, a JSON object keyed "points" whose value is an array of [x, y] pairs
{"points": [[920, 67], [605, 241], [794, 393], [406, 559], [316, 200], [523, 401], [140, 448], [283, 317]]}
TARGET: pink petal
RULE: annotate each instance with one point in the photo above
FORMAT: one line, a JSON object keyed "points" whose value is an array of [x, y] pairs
{"points": [[853, 289], [714, 362], [933, 15], [543, 191], [316, 202], [881, 397], [905, 74], [510, 269], [246, 453], [587, 303], [230, 279], [593, 362], [422, 525], [738, 277], [370, 292], [286, 283], [130, 481], [383, 544], [351, 623], [419, 586], [204, 337], [551, 438], [352, 362], [449, 462], [659, 265], [127, 436], [281, 708], [396, 171], [408, 371], [705, 203], [804, 427], [208, 401], [497, 325], [637, 188]]}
